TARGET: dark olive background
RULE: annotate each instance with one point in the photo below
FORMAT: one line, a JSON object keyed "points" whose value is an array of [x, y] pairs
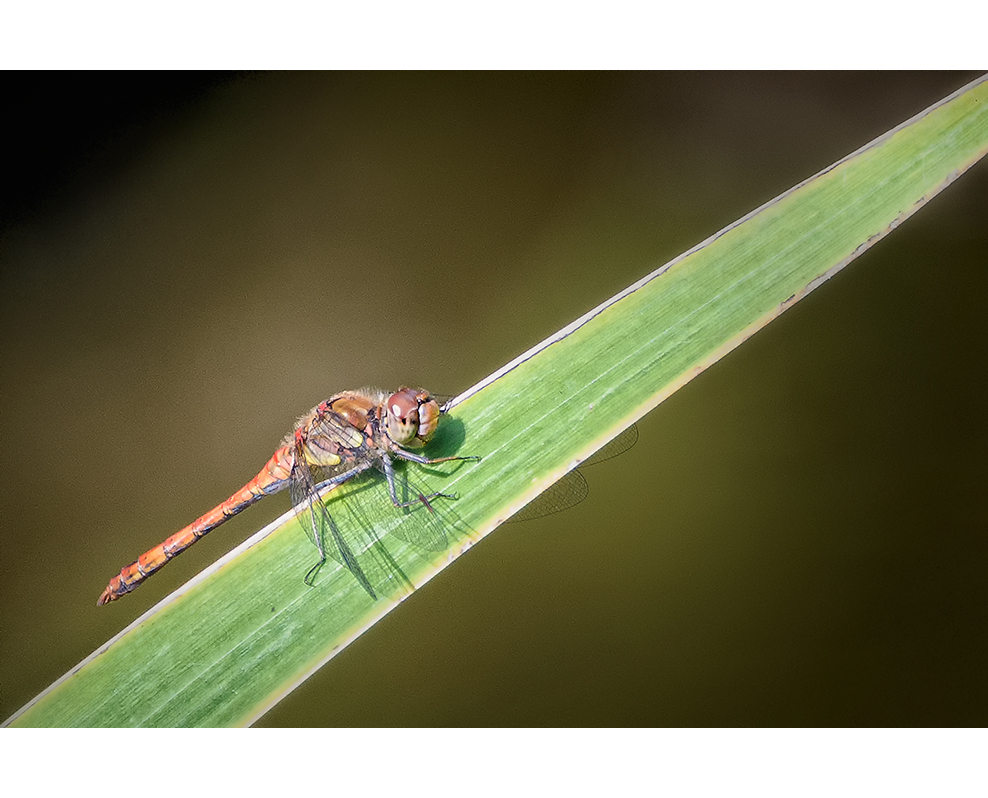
{"points": [[189, 263]]}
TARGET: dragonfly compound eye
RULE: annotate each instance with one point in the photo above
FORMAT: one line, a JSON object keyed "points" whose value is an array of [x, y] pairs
{"points": [[428, 418], [402, 417]]}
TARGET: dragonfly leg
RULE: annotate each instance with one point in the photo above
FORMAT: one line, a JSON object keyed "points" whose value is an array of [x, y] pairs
{"points": [[310, 577], [389, 472], [418, 458]]}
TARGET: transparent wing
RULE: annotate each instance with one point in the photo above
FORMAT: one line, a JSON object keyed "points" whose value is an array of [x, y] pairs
{"points": [[425, 527], [319, 525], [359, 540], [365, 533]]}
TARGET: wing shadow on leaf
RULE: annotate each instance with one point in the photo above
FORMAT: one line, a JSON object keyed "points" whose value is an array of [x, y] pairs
{"points": [[573, 488]]}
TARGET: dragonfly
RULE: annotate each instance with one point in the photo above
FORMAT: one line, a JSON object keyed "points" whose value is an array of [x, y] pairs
{"points": [[339, 439]]}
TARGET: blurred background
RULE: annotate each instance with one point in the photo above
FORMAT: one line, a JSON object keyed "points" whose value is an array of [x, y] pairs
{"points": [[800, 536]]}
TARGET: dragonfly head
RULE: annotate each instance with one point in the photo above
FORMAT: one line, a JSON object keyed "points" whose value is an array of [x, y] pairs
{"points": [[411, 417]]}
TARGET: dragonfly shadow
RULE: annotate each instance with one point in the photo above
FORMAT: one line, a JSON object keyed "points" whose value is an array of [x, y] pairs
{"points": [[573, 488], [449, 437]]}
